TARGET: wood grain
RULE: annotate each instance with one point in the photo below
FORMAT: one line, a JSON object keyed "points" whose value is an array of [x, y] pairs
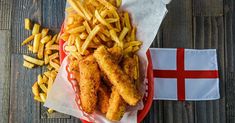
{"points": [[209, 33], [23, 109], [53, 13], [189, 24], [5, 75], [5, 14], [229, 18], [177, 30], [207, 7]]}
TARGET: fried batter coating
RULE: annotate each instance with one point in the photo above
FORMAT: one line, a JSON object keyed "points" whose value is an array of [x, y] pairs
{"points": [[103, 98], [117, 77], [129, 66], [89, 83], [117, 106], [116, 53]]}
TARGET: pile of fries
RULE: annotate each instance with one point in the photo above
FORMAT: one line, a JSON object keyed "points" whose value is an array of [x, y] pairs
{"points": [[102, 46], [46, 49]]}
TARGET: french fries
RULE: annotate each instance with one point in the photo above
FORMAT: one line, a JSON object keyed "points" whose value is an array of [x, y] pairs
{"points": [[46, 48], [27, 24], [36, 29], [40, 80], [44, 32], [89, 38], [35, 89], [33, 60], [45, 39], [40, 50], [54, 65], [36, 42], [28, 65], [27, 40]]}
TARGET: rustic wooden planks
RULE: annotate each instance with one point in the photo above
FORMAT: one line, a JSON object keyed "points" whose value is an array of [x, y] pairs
{"points": [[229, 18], [5, 74], [207, 29], [207, 7], [209, 33], [23, 108], [5, 14], [53, 13], [177, 30]]}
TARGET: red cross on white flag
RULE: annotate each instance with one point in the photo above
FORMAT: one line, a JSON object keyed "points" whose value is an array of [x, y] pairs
{"points": [[185, 74]]}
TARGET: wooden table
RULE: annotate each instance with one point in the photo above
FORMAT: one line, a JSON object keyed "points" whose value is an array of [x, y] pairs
{"points": [[189, 24]]}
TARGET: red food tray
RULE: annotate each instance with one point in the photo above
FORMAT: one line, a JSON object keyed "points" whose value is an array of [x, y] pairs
{"points": [[148, 97]]}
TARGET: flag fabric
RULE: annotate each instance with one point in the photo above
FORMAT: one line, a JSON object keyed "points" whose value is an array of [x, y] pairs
{"points": [[185, 74]]}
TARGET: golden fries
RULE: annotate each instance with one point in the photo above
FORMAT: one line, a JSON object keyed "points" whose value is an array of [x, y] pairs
{"points": [[107, 4], [27, 23], [74, 5], [50, 110], [28, 65], [44, 32], [123, 33], [27, 40], [127, 20], [54, 65], [43, 87], [38, 98], [36, 29], [43, 97], [54, 47], [77, 30], [40, 80], [85, 12], [89, 38], [40, 50], [53, 56], [35, 89], [118, 3], [36, 42], [45, 39], [114, 36], [102, 20], [33, 60], [30, 48]]}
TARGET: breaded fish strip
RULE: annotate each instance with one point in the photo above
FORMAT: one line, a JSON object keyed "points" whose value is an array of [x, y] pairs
{"points": [[116, 53], [129, 67], [117, 77], [117, 106], [103, 98], [89, 83]]}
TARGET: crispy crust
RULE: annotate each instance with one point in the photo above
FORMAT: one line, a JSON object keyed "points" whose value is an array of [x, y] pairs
{"points": [[89, 83], [117, 106], [103, 98], [117, 77]]}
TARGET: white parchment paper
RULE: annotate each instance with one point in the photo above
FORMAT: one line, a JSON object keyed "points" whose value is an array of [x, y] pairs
{"points": [[147, 16]]}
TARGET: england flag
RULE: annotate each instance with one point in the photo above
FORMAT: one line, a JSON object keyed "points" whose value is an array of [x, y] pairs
{"points": [[185, 74]]}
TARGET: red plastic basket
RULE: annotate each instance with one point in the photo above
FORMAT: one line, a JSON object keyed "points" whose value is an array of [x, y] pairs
{"points": [[148, 97]]}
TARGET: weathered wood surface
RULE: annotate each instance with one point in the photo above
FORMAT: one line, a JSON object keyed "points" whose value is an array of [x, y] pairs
{"points": [[208, 7], [189, 24], [230, 59], [5, 75]]}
